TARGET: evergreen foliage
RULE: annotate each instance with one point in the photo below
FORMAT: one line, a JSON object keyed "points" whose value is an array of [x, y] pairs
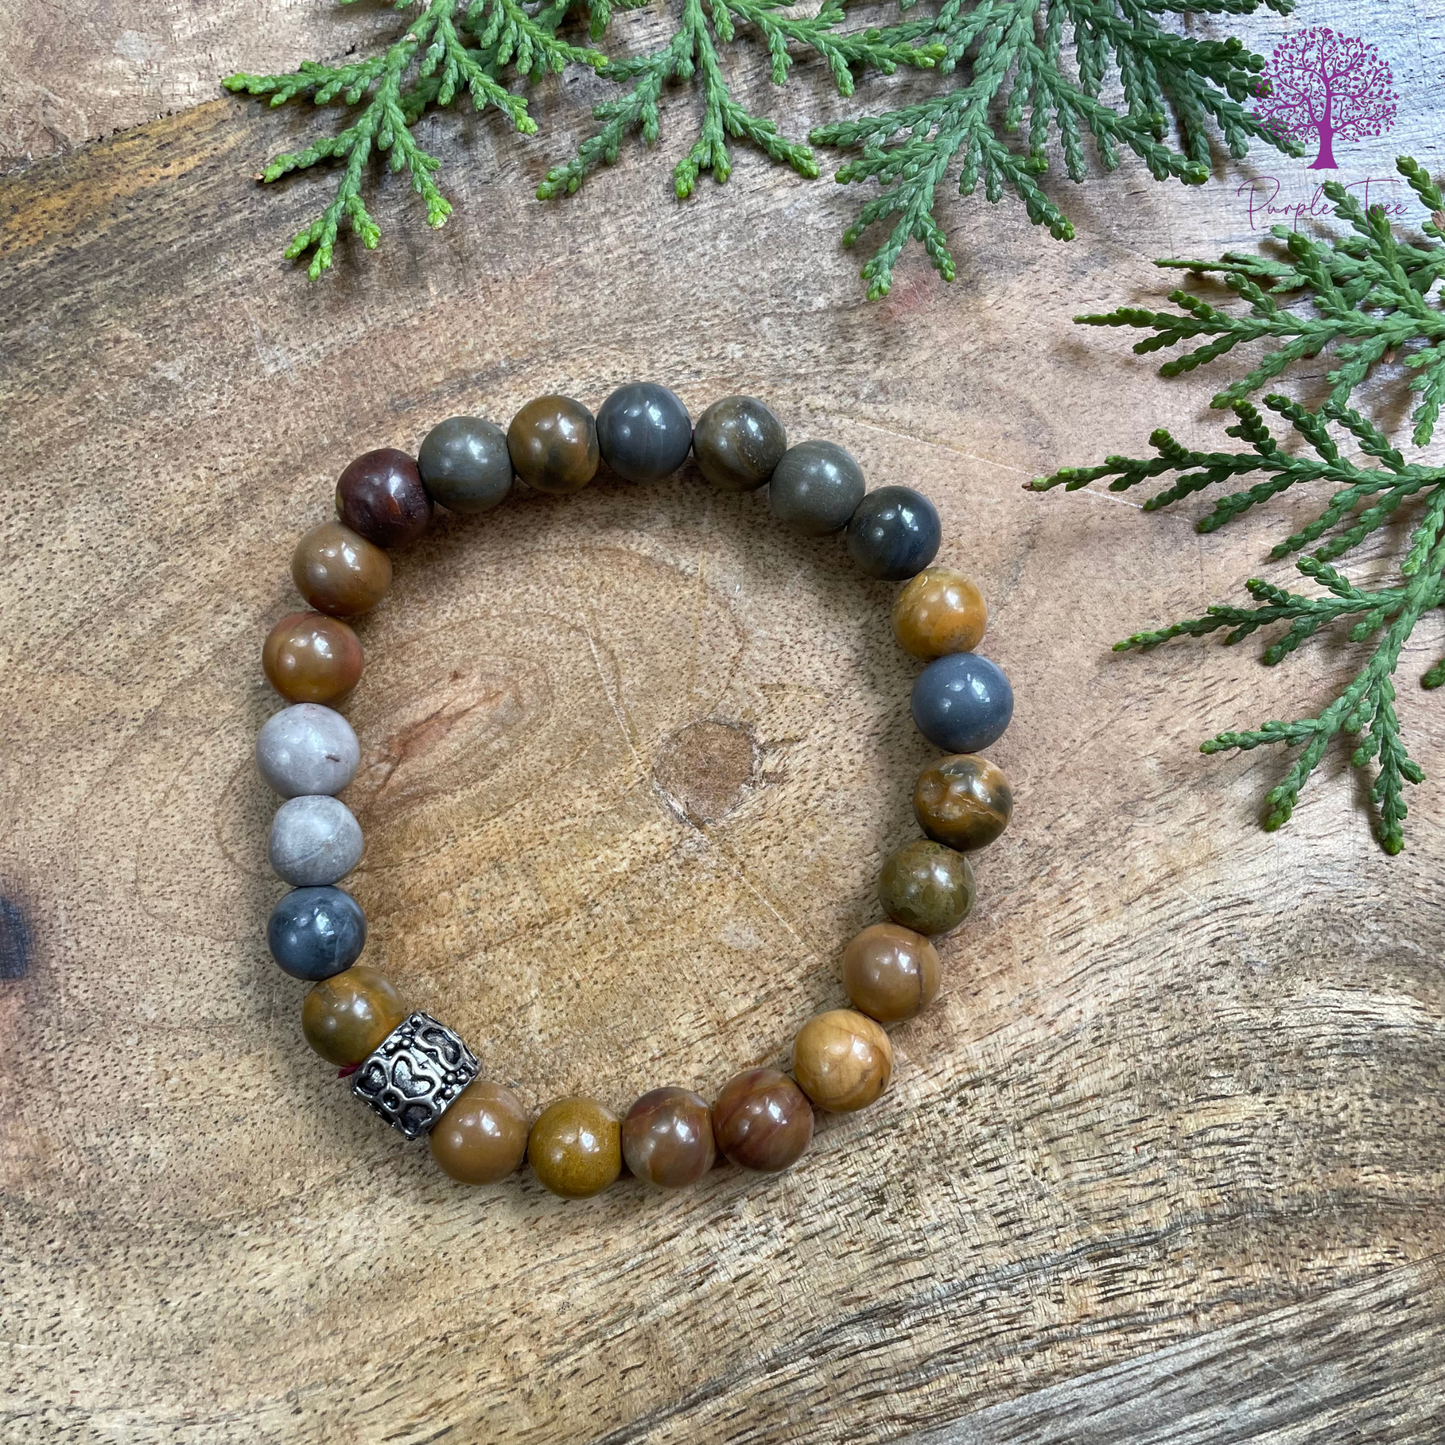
{"points": [[1367, 285], [989, 68]]}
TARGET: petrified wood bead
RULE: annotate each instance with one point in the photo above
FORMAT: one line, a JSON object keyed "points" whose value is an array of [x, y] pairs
{"points": [[891, 973], [667, 1138], [380, 497], [314, 840], [307, 748], [737, 442], [963, 801], [815, 488], [962, 703], [575, 1147], [553, 444], [310, 657], [894, 533], [762, 1120], [842, 1060], [938, 612], [482, 1137], [344, 1018], [465, 465], [643, 431], [339, 572], [926, 887]]}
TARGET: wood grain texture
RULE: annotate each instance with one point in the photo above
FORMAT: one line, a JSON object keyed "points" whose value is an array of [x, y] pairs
{"points": [[631, 759]]}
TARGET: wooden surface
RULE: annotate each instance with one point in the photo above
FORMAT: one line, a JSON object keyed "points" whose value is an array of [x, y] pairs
{"points": [[1164, 1163]]}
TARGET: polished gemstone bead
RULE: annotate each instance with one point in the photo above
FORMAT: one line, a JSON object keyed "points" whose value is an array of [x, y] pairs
{"points": [[762, 1120], [667, 1138], [465, 465], [307, 749], [737, 442], [894, 533], [963, 801], [380, 497], [926, 887], [553, 444], [962, 703], [940, 611], [482, 1137], [575, 1147], [643, 431], [891, 973], [339, 572], [815, 488], [346, 1016], [314, 933], [310, 657], [842, 1060], [314, 840]]}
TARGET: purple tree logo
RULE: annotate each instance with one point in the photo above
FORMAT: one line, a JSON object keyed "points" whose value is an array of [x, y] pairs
{"points": [[1329, 85]]}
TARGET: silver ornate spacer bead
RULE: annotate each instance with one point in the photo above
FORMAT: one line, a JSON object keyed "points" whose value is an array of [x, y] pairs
{"points": [[416, 1071]]}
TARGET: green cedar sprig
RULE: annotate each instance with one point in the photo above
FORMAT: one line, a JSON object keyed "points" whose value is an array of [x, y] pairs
{"points": [[1369, 295]]}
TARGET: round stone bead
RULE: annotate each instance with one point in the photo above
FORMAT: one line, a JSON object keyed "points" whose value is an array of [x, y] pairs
{"points": [[926, 887], [815, 488], [345, 1018], [465, 465], [314, 933], [339, 572], [380, 497], [894, 533], [842, 1060], [314, 840], [667, 1138], [940, 611], [310, 657], [307, 749], [482, 1137], [737, 442], [891, 973], [553, 444], [762, 1120], [963, 801], [576, 1147], [962, 703], [643, 432]]}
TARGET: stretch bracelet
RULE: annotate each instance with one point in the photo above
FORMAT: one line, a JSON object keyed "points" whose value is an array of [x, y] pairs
{"points": [[417, 1073]]}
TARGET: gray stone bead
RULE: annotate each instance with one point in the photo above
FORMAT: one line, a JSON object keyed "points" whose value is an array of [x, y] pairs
{"points": [[307, 749], [316, 933], [314, 841], [644, 431], [894, 534], [737, 442], [816, 488], [465, 465]]}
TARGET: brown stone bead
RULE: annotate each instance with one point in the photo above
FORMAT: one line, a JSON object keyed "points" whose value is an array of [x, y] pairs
{"points": [[339, 572], [842, 1060], [926, 887], [345, 1017], [667, 1138], [891, 973], [963, 801], [380, 496], [482, 1137], [762, 1120], [938, 612], [575, 1147], [553, 444], [310, 657]]}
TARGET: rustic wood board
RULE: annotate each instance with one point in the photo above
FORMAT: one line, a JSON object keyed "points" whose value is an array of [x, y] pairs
{"points": [[1181, 1103]]}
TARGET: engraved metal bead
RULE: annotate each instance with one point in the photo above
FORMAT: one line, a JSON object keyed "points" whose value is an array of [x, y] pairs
{"points": [[416, 1071]]}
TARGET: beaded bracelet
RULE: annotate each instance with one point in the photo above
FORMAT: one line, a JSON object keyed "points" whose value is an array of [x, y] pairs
{"points": [[414, 1071]]}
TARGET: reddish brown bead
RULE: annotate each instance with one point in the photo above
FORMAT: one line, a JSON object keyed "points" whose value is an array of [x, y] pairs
{"points": [[381, 498], [482, 1137], [339, 572], [891, 973], [762, 1120], [667, 1138], [347, 1016], [310, 657]]}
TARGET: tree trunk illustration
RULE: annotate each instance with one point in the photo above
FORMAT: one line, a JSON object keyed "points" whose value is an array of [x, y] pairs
{"points": [[1325, 160]]}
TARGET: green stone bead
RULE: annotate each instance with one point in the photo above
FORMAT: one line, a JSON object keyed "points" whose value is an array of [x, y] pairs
{"points": [[926, 887]]}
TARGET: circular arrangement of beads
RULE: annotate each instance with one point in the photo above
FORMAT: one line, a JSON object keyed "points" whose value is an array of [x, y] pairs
{"points": [[414, 1071]]}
